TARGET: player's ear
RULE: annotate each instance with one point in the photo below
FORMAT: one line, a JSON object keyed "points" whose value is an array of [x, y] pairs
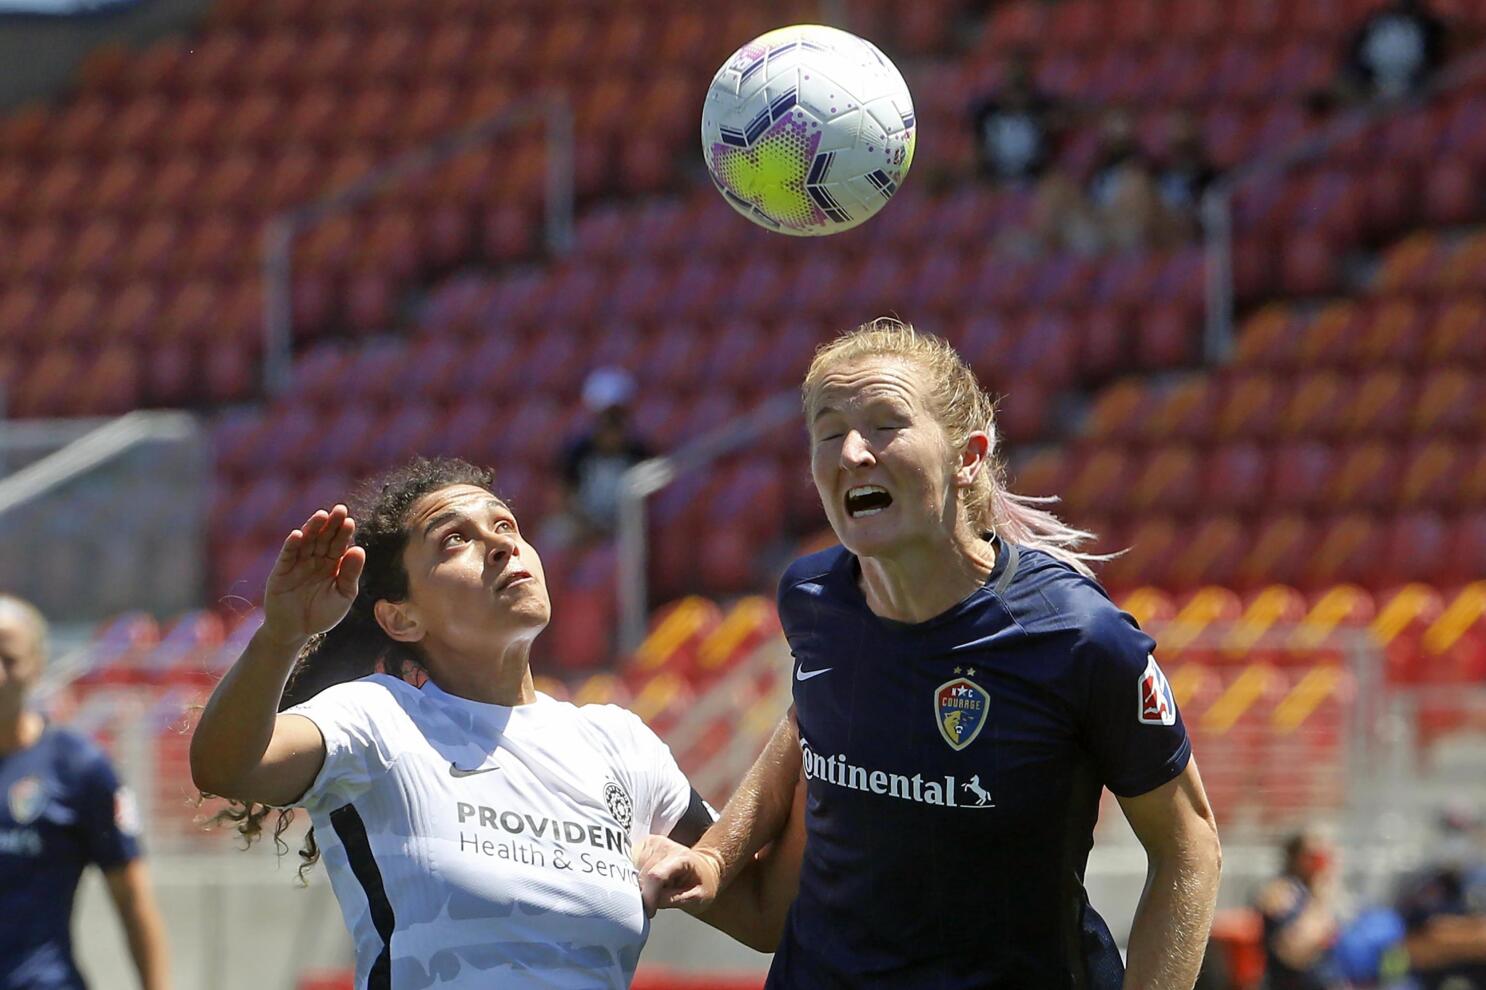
{"points": [[398, 620], [973, 457]]}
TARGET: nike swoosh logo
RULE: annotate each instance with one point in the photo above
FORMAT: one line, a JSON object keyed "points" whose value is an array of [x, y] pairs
{"points": [[801, 674], [456, 772]]}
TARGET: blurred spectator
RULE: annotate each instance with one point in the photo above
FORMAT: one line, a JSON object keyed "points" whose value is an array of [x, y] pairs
{"points": [[1016, 129], [592, 463], [1122, 188], [1300, 916], [1395, 50], [1117, 208], [1444, 910], [1183, 176]]}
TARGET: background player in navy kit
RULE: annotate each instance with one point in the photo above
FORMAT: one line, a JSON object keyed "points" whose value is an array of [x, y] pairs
{"points": [[963, 691], [61, 809]]}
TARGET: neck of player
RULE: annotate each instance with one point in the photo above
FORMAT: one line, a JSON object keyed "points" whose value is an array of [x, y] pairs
{"points": [[500, 677], [19, 729], [920, 581]]}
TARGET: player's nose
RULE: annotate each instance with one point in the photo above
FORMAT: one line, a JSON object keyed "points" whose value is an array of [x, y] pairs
{"points": [[855, 452], [502, 546]]}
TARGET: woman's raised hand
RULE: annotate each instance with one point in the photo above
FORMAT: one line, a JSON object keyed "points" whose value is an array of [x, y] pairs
{"points": [[313, 582]]}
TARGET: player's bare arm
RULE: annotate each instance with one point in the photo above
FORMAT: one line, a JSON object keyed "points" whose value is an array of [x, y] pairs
{"points": [[754, 817], [242, 748], [752, 909], [1176, 826], [129, 889]]}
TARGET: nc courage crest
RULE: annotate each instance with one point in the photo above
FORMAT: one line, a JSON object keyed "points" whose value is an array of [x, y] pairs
{"points": [[960, 708]]}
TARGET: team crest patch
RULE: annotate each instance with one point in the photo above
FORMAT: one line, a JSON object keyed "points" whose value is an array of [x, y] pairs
{"points": [[960, 708], [620, 805], [126, 811], [1157, 706], [26, 799]]}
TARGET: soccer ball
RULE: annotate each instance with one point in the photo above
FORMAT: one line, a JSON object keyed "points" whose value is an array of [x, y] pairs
{"points": [[808, 130]]}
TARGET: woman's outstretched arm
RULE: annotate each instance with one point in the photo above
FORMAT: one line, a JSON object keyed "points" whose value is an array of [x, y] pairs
{"points": [[242, 748]]}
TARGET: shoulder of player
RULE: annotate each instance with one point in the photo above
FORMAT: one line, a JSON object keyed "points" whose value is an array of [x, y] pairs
{"points": [[808, 573], [614, 722], [1047, 595], [73, 751], [375, 693]]}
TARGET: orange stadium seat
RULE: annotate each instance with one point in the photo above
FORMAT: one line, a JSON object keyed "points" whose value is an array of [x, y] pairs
{"points": [[1366, 477], [1450, 402], [1459, 333], [1211, 553], [1378, 399]]}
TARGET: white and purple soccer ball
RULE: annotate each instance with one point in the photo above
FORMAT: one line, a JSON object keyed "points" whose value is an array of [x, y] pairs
{"points": [[808, 130]]}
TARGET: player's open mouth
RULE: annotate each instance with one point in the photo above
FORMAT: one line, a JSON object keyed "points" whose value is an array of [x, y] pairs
{"points": [[867, 500]]}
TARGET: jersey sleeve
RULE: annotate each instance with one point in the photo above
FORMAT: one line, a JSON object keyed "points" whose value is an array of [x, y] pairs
{"points": [[1133, 727], [666, 790], [355, 719], [110, 816]]}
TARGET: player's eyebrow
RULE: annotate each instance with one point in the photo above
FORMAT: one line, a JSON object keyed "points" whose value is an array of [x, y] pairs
{"points": [[449, 515], [823, 411]]}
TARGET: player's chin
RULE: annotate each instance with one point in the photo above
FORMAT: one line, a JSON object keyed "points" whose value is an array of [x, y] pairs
{"points": [[866, 536]]}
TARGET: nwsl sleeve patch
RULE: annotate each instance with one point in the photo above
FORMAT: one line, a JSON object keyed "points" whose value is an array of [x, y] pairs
{"points": [[1157, 706]]}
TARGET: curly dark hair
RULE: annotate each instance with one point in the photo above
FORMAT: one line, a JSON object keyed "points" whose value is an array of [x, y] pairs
{"points": [[356, 646]]}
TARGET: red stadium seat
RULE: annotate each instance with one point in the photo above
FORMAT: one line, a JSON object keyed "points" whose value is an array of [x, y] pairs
{"points": [[1449, 402], [1187, 412], [1302, 474], [1348, 552], [1316, 406], [1366, 477], [1100, 481], [1378, 404], [1167, 483], [1277, 554], [1235, 478], [1249, 408], [1210, 555], [1151, 545]]}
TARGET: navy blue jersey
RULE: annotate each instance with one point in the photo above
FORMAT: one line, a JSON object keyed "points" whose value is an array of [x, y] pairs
{"points": [[1283, 906], [954, 770], [1444, 892], [62, 809]]}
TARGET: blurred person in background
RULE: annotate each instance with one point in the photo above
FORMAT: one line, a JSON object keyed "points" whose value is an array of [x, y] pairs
{"points": [[1017, 128], [63, 810], [1299, 911], [1182, 176], [963, 693], [1394, 51], [591, 464], [474, 830], [1121, 190], [1116, 208], [1444, 909]]}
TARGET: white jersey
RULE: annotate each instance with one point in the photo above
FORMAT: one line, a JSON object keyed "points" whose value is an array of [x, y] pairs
{"points": [[475, 845]]}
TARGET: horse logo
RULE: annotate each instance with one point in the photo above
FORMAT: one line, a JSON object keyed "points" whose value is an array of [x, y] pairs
{"points": [[960, 710], [979, 792]]}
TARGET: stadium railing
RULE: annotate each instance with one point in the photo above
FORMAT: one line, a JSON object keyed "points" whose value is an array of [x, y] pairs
{"points": [[651, 476], [110, 521], [1217, 214], [283, 230]]}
